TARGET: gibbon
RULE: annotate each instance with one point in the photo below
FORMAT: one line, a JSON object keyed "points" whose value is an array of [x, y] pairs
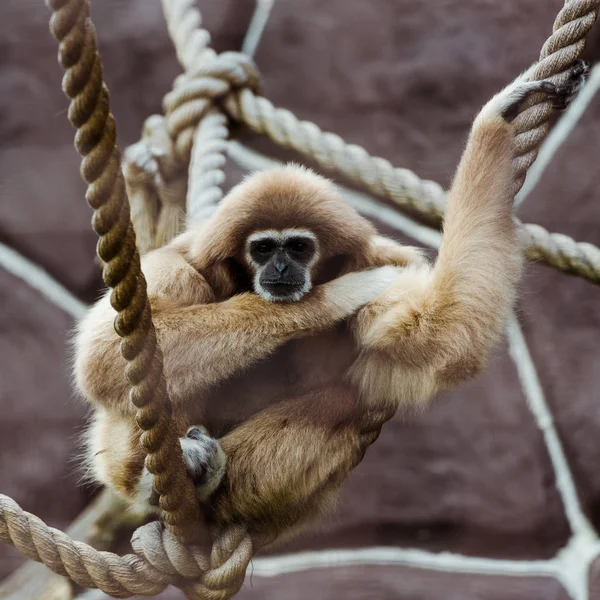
{"points": [[287, 324]]}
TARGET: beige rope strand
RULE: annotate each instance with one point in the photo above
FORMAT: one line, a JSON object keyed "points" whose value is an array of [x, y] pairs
{"points": [[206, 175]]}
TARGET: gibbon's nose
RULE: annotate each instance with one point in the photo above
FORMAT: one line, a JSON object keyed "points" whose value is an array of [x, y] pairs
{"points": [[280, 265]]}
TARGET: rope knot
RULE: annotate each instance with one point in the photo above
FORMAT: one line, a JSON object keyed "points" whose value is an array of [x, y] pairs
{"points": [[159, 547], [201, 88], [204, 574], [160, 172]]}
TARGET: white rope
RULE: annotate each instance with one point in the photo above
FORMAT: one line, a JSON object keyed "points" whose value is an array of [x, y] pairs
{"points": [[448, 562], [38, 279], [261, 15], [207, 161], [538, 405]]}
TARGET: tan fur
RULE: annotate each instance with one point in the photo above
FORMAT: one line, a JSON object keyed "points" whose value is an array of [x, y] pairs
{"points": [[362, 341]]}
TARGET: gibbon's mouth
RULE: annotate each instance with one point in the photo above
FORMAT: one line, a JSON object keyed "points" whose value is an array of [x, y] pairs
{"points": [[285, 291], [283, 287]]}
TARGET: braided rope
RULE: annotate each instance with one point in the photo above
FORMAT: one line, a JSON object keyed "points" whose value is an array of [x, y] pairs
{"points": [[332, 153], [206, 175], [160, 556]]}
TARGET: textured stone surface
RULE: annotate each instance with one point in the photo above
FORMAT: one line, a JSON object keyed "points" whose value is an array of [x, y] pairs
{"points": [[403, 79]]}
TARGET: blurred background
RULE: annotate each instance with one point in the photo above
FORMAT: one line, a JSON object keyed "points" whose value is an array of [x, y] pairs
{"points": [[473, 477]]}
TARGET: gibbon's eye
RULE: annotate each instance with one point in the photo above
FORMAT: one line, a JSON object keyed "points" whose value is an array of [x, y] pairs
{"points": [[264, 247], [298, 247]]}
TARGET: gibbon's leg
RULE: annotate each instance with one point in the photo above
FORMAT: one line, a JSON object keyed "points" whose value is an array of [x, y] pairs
{"points": [[114, 458], [288, 461], [285, 462], [436, 327], [205, 344], [113, 455]]}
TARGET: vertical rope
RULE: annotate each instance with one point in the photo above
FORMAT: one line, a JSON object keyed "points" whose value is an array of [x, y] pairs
{"points": [[89, 112], [206, 175]]}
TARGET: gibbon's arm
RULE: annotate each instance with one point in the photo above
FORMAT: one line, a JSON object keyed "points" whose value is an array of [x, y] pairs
{"points": [[204, 344], [436, 327], [170, 278]]}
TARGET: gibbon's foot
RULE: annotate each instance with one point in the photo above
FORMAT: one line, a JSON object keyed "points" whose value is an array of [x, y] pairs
{"points": [[512, 98], [204, 459]]}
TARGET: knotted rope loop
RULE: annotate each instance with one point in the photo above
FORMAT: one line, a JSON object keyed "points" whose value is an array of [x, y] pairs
{"points": [[160, 169], [202, 87], [201, 577], [160, 558]]}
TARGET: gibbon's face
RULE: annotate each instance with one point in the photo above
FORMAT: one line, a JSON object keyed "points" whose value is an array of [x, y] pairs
{"points": [[282, 262]]}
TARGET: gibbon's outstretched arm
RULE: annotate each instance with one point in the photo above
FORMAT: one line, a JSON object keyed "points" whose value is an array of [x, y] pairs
{"points": [[437, 326]]}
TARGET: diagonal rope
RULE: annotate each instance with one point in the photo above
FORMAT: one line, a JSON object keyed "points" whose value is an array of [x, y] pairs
{"points": [[160, 556], [561, 50]]}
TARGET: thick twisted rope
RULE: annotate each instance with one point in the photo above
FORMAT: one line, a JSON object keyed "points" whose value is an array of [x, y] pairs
{"points": [[206, 175], [561, 50], [95, 140], [159, 558]]}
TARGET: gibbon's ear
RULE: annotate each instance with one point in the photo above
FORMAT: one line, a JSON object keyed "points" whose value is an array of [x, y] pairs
{"points": [[360, 257], [354, 262], [214, 252]]}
